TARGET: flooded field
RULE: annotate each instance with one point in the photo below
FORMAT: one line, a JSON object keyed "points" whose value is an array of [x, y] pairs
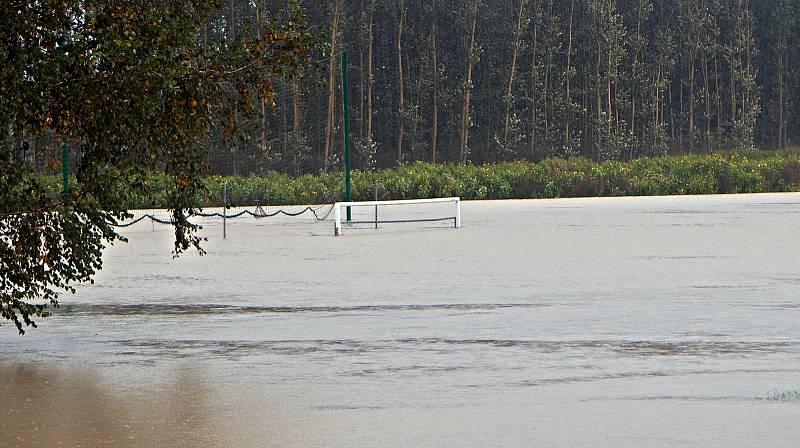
{"points": [[634, 322]]}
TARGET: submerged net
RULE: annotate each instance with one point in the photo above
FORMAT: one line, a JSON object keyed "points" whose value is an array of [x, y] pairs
{"points": [[443, 212]]}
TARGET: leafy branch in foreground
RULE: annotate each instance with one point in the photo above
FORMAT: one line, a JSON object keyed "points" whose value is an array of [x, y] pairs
{"points": [[132, 86]]}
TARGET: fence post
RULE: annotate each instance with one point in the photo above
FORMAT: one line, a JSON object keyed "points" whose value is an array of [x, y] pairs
{"points": [[376, 205], [225, 210]]}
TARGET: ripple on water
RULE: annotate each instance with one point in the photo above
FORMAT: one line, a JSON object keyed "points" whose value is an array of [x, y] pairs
{"points": [[204, 309]]}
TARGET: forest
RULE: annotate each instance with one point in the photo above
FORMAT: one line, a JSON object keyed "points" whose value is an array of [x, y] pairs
{"points": [[478, 81], [487, 81]]}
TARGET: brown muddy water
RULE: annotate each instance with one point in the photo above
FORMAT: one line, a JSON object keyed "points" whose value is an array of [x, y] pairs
{"points": [[636, 322]]}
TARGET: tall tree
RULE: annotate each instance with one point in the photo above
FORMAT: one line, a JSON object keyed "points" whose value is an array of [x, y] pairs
{"points": [[132, 96]]}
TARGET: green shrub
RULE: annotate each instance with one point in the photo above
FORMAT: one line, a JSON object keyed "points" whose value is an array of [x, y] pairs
{"points": [[722, 173]]}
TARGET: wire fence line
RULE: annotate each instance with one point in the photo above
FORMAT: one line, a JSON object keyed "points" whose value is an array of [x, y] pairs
{"points": [[318, 212]]}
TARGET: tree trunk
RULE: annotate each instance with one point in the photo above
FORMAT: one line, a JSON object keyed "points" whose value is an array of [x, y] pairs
{"points": [[780, 99], [636, 74], [546, 114], [671, 114], [534, 80], [598, 106], [331, 86], [707, 92], [264, 137], [691, 103], [400, 98], [733, 58], [465, 111], [656, 111], [435, 112], [567, 77], [369, 70], [608, 93], [417, 118], [733, 92], [510, 88], [718, 96], [296, 125], [361, 90], [295, 106]]}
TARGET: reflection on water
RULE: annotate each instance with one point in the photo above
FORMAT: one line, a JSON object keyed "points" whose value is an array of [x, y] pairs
{"points": [[47, 407]]}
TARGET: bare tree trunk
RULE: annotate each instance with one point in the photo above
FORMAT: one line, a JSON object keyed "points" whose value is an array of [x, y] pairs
{"points": [[733, 92], [636, 75], [748, 92], [546, 111], [608, 93], [401, 99], [598, 107], [733, 58], [586, 146], [361, 90], [656, 110], [296, 124], [671, 114], [284, 124], [415, 126], [707, 92], [780, 100], [515, 50], [465, 112], [435, 118], [568, 76], [331, 85], [718, 96], [691, 103], [264, 137], [534, 80], [369, 70]]}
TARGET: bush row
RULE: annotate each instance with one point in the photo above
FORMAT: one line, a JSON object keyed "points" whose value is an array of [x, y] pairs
{"points": [[553, 178]]}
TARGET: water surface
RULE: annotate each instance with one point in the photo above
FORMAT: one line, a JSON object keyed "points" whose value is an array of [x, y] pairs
{"points": [[634, 322]]}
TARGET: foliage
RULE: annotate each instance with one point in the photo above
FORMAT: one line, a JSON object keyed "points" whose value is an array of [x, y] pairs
{"points": [[791, 396], [740, 172], [133, 87]]}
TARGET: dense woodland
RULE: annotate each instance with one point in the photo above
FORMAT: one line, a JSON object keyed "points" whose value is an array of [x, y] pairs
{"points": [[484, 81]]}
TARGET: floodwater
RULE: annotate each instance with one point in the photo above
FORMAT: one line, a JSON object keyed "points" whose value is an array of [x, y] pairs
{"points": [[634, 322]]}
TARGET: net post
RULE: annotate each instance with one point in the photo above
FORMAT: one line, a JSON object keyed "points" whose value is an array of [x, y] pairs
{"points": [[337, 219], [458, 213]]}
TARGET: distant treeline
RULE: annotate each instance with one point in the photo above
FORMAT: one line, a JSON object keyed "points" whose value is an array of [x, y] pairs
{"points": [[490, 81]]}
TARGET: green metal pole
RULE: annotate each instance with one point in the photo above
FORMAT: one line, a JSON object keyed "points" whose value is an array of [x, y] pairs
{"points": [[346, 94], [65, 167]]}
